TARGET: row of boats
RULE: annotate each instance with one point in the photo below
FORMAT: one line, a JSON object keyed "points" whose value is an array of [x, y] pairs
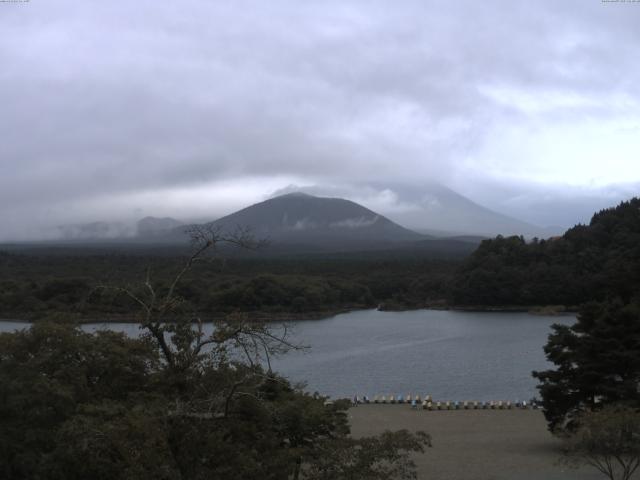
{"points": [[427, 403]]}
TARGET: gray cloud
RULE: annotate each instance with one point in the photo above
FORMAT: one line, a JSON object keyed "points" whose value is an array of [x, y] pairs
{"points": [[111, 109]]}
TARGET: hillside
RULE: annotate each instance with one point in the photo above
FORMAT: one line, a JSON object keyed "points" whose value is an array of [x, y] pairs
{"points": [[589, 262], [301, 220]]}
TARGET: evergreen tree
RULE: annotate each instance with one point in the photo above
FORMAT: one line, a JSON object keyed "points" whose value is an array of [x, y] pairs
{"points": [[597, 362]]}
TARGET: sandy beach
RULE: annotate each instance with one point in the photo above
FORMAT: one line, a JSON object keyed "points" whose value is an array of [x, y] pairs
{"points": [[475, 444]]}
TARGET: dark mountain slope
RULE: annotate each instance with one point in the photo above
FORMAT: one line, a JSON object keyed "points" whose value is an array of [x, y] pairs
{"points": [[326, 223]]}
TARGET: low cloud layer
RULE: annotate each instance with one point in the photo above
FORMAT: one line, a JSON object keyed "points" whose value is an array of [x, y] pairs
{"points": [[116, 110]]}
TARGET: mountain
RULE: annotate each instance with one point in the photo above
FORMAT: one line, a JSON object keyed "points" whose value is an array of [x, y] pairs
{"points": [[429, 208], [435, 209], [298, 219], [153, 226]]}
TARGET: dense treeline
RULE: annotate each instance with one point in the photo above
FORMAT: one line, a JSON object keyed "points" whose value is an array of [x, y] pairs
{"points": [[589, 262], [39, 284]]}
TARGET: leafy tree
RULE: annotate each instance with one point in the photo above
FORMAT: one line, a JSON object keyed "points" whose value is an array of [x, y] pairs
{"points": [[597, 363], [176, 403], [47, 373]]}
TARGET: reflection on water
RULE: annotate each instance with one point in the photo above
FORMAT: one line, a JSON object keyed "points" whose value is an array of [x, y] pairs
{"points": [[450, 355]]}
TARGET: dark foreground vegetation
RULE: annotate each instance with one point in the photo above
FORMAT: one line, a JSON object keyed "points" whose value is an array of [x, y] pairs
{"points": [[597, 363], [103, 406], [174, 404]]}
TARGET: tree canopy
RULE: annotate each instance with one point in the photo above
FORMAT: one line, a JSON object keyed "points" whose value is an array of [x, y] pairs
{"points": [[174, 404], [597, 362], [589, 262]]}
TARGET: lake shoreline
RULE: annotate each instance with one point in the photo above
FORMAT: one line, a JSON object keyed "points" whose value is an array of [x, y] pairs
{"points": [[261, 316], [288, 316], [449, 355], [546, 310]]}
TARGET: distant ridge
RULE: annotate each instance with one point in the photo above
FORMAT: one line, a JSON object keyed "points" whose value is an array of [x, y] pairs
{"points": [[94, 230], [431, 208], [152, 226], [440, 211], [145, 228]]}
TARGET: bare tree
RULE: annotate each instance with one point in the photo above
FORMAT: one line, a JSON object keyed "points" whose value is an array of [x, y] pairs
{"points": [[241, 349], [182, 340]]}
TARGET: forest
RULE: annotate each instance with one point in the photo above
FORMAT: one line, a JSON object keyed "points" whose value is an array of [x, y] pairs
{"points": [[589, 262], [39, 284]]}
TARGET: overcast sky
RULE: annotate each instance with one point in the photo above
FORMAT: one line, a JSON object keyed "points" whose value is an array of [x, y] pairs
{"points": [[119, 109]]}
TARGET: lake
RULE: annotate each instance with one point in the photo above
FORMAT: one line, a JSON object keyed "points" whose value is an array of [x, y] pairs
{"points": [[447, 354]]}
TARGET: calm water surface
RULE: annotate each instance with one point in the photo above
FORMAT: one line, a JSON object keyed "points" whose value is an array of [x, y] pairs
{"points": [[450, 355]]}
